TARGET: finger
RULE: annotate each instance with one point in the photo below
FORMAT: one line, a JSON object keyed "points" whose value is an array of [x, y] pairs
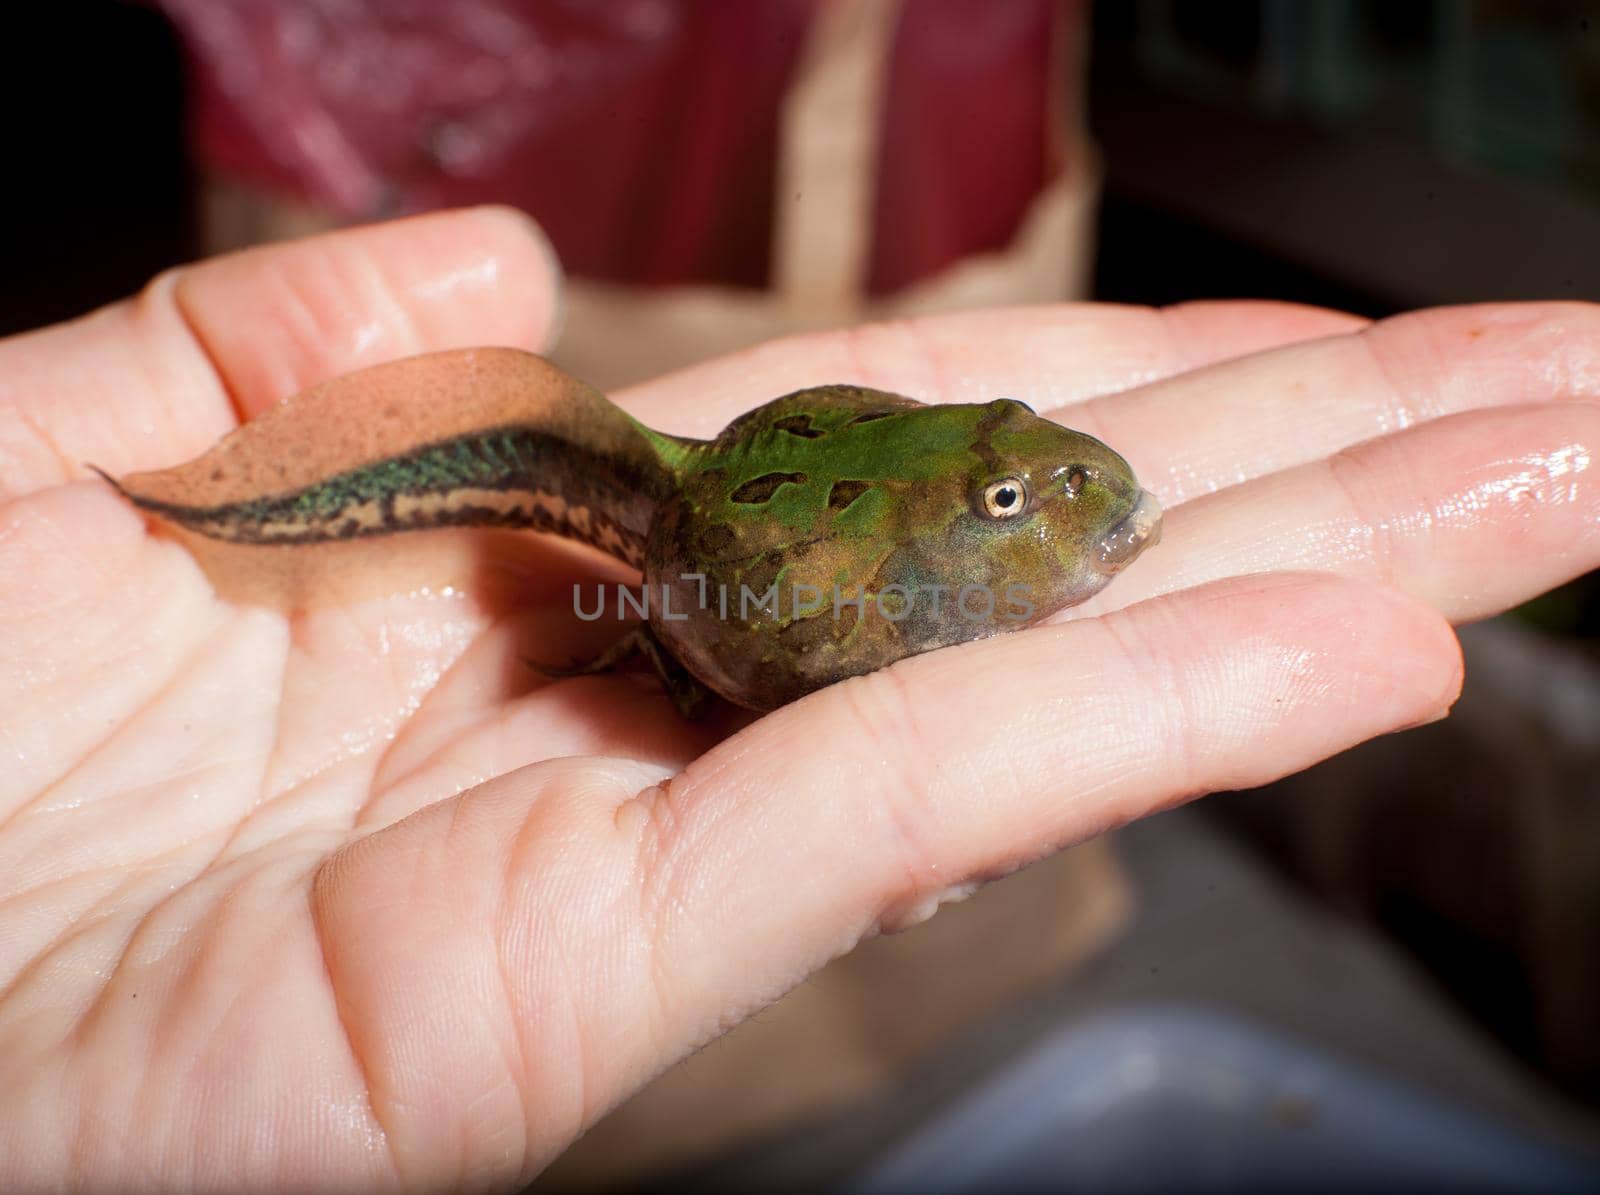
{"points": [[1247, 417], [963, 764], [156, 379], [562, 938], [1472, 513], [1045, 356]]}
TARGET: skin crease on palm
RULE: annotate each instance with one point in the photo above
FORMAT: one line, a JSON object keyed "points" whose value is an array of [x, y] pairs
{"points": [[351, 897]]}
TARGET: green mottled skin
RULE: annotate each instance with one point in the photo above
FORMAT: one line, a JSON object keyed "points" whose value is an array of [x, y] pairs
{"points": [[841, 489]]}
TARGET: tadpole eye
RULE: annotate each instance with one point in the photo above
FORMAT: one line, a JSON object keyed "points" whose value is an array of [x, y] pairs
{"points": [[1076, 478], [1004, 499]]}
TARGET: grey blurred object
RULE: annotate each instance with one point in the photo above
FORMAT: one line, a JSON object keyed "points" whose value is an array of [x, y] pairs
{"points": [[1475, 842], [1168, 1098], [1216, 930]]}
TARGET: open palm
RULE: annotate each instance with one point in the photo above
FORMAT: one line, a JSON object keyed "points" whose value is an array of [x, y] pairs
{"points": [[353, 896]]}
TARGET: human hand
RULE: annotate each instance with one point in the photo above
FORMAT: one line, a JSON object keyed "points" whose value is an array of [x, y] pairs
{"points": [[353, 897]]}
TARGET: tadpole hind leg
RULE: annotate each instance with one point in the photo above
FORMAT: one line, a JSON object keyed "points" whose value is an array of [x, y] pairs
{"points": [[691, 698], [620, 652]]}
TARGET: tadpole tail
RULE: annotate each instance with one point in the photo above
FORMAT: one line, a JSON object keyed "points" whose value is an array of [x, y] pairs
{"points": [[475, 437]]}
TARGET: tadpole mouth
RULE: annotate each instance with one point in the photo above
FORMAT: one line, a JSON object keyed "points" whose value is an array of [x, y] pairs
{"points": [[1140, 529]]}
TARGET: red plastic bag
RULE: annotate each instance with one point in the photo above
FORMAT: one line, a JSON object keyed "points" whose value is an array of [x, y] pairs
{"points": [[642, 134]]}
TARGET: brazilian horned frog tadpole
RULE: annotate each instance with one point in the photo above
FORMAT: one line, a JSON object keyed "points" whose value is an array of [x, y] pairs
{"points": [[823, 535]]}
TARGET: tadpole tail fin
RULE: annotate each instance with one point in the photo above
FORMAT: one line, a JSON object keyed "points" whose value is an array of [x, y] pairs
{"points": [[300, 504], [469, 437]]}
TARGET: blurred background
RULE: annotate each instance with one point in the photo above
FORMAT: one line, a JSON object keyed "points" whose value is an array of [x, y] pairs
{"points": [[1385, 970]]}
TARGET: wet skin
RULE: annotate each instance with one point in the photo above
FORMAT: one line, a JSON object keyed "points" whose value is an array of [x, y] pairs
{"points": [[822, 535]]}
